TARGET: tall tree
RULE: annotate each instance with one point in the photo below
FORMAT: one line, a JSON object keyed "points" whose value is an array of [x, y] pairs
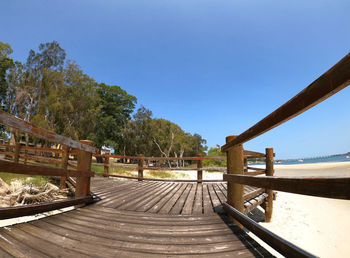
{"points": [[116, 106], [5, 64]]}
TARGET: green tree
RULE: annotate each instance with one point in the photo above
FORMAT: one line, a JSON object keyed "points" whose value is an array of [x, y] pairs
{"points": [[116, 106], [5, 64]]}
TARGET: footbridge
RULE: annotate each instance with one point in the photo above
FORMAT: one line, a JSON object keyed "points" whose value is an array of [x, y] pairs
{"points": [[115, 215]]}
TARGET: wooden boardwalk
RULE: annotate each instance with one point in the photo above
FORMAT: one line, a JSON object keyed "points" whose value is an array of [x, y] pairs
{"points": [[169, 198], [136, 219]]}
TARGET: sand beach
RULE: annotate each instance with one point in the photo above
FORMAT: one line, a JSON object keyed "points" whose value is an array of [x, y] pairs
{"points": [[318, 225]]}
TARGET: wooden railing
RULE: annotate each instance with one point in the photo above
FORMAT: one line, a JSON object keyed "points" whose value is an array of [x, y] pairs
{"points": [[83, 173], [334, 80], [60, 157]]}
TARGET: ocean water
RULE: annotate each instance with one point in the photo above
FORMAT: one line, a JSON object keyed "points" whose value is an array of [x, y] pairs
{"points": [[332, 158]]}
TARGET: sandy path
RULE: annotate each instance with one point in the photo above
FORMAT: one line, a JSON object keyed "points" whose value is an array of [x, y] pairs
{"points": [[318, 225]]}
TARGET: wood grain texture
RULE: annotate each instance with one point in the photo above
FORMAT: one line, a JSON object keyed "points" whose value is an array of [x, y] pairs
{"points": [[95, 232], [279, 244], [177, 198], [8, 166], [331, 187], [26, 210]]}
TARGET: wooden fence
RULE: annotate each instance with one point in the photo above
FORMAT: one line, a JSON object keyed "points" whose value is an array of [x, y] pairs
{"points": [[334, 80], [60, 157], [83, 173], [337, 78]]}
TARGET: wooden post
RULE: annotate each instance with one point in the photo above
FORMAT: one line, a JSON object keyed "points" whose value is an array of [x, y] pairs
{"points": [[269, 172], [199, 165], [84, 163], [106, 167], [17, 150], [140, 165], [64, 165], [235, 165]]}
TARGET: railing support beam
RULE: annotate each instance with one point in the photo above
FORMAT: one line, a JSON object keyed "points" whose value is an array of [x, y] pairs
{"points": [[140, 165], [235, 165], [84, 163], [106, 167], [64, 165], [199, 165], [17, 151], [269, 172]]}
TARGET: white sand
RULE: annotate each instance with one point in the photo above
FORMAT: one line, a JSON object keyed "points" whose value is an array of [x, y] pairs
{"points": [[320, 226]]}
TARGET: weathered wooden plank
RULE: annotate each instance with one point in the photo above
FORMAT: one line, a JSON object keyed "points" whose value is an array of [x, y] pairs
{"points": [[198, 202], [279, 244], [91, 241], [332, 81], [26, 210], [214, 199], [336, 187], [122, 197], [207, 205], [155, 199], [219, 193], [63, 227], [117, 198], [43, 245], [177, 208], [15, 247], [253, 153], [39, 158], [8, 166], [143, 197], [188, 206], [253, 193], [255, 202], [170, 203], [14, 122], [159, 205], [41, 149]]}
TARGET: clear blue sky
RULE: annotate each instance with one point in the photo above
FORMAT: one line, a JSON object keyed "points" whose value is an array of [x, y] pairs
{"points": [[213, 67]]}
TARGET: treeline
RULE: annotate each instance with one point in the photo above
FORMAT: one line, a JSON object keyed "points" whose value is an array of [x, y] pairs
{"points": [[54, 93]]}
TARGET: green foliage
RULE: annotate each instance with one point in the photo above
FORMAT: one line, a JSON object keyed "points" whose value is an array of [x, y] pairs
{"points": [[56, 94], [215, 152], [158, 137], [116, 106], [5, 64]]}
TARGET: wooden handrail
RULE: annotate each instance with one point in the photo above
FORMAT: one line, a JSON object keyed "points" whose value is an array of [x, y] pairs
{"points": [[26, 210], [247, 153], [39, 158], [281, 245], [14, 122], [329, 187], [7, 146], [41, 149], [16, 168], [254, 154], [332, 81]]}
